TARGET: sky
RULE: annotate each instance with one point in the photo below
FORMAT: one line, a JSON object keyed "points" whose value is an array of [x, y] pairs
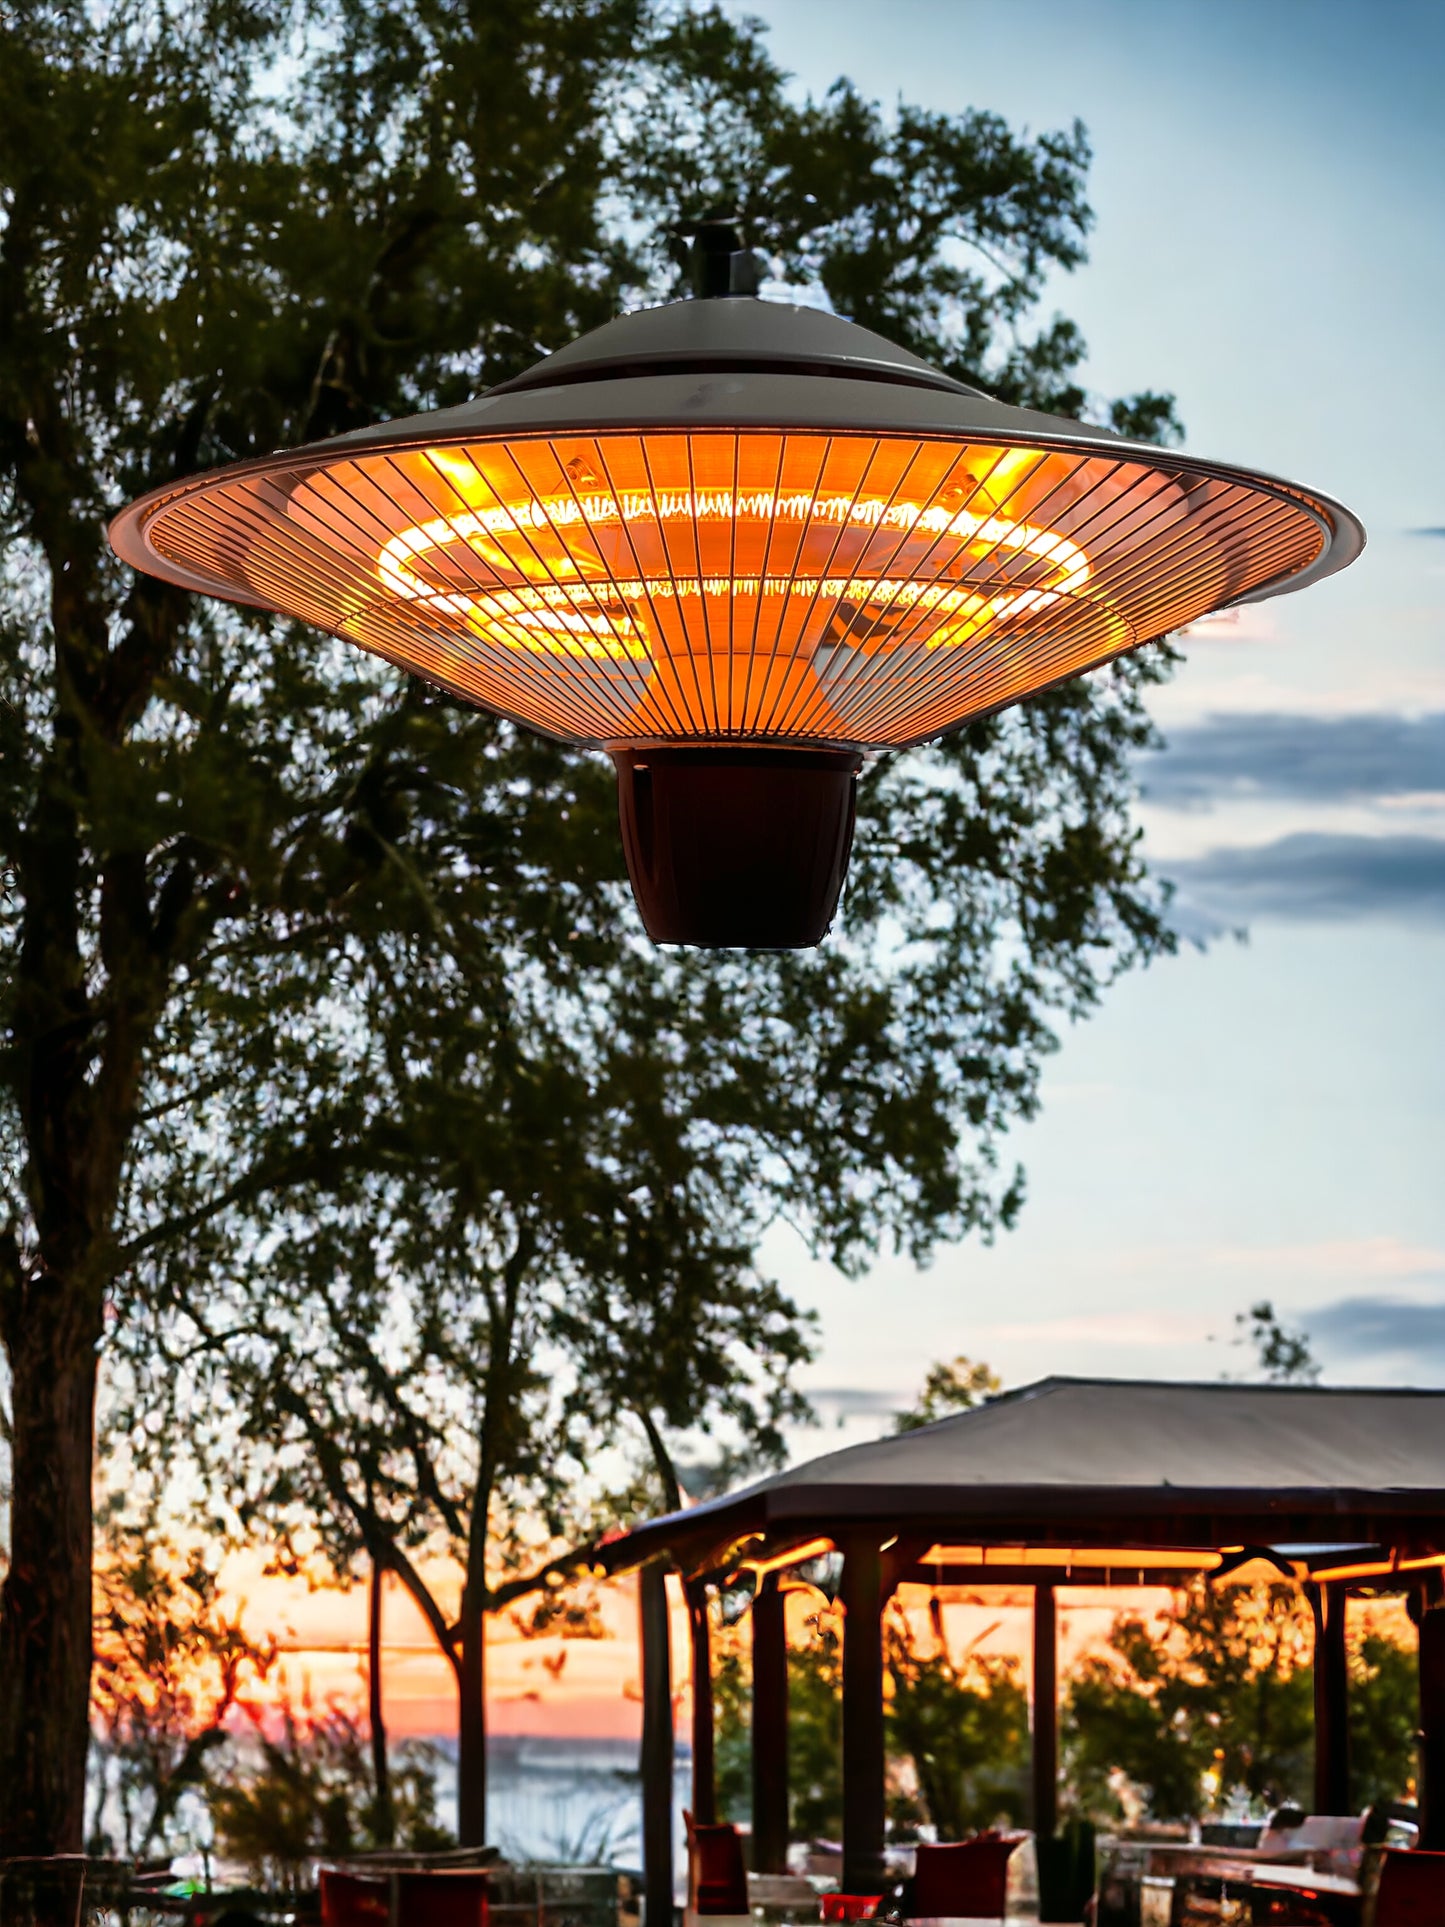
{"points": [[1260, 1118]]}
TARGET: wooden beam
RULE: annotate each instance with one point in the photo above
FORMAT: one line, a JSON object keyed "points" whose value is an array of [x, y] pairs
{"points": [[862, 1596], [770, 1728], [1046, 1713], [656, 1758], [1331, 1687], [704, 1756], [1432, 1723], [1132, 1577]]}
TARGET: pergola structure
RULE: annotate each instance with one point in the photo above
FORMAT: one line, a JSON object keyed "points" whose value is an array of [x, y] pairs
{"points": [[1070, 1482]]}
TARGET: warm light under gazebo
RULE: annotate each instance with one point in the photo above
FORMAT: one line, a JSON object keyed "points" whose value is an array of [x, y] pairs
{"points": [[738, 545], [1070, 1482]]}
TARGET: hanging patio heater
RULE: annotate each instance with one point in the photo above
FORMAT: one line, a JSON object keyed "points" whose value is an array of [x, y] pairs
{"points": [[738, 545]]}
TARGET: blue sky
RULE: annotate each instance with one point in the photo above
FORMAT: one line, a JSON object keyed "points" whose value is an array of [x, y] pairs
{"points": [[1264, 1119]]}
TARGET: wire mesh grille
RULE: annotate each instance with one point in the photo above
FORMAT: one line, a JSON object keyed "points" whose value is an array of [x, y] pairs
{"points": [[871, 590]]}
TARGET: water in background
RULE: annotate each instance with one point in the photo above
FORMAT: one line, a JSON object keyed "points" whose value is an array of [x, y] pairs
{"points": [[566, 1802]]}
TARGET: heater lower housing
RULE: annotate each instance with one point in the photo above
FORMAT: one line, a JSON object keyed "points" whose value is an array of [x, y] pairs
{"points": [[736, 848]]}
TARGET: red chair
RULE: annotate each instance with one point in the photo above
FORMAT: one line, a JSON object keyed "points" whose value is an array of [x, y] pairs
{"points": [[848, 1907], [1411, 1892], [969, 1879], [404, 1897], [717, 1880]]}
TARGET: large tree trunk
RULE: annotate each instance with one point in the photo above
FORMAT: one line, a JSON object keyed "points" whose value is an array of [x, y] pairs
{"points": [[384, 1824], [501, 1389], [45, 1607], [472, 1726]]}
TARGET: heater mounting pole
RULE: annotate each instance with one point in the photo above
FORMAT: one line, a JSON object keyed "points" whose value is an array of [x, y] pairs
{"points": [[718, 263]]}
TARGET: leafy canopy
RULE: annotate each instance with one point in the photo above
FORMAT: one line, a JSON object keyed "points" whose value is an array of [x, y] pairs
{"points": [[340, 1099], [1213, 1703]]}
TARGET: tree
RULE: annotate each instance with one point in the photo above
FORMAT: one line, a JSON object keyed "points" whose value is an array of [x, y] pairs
{"points": [[815, 1730], [171, 1668], [309, 1794], [190, 271], [230, 226], [1384, 1712], [1215, 1700], [1283, 1352], [959, 1727], [420, 1365], [956, 1386], [963, 1726]]}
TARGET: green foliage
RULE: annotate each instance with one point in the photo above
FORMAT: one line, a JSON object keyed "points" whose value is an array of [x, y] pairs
{"points": [[815, 1727], [1384, 1712], [959, 1731], [494, 1175], [815, 1732], [1214, 1703], [309, 1794], [955, 1386], [937, 230], [340, 1102], [1283, 1353], [963, 1726], [171, 1666], [732, 1703]]}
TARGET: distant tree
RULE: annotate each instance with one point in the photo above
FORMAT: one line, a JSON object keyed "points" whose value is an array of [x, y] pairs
{"points": [[307, 1793], [732, 1702], [1283, 1352], [171, 1668], [226, 844], [1384, 1713], [959, 1727], [815, 1731], [962, 1725], [956, 1386], [1214, 1700], [433, 1363]]}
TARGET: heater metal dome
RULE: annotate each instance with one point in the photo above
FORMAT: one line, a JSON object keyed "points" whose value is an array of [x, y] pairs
{"points": [[738, 544]]}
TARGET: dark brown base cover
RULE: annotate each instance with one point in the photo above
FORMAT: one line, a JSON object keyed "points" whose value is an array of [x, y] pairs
{"points": [[733, 848]]}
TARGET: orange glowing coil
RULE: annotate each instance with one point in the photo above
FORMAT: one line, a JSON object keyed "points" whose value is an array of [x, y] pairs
{"points": [[710, 585]]}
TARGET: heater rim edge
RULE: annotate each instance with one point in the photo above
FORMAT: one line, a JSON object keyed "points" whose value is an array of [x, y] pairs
{"points": [[128, 531]]}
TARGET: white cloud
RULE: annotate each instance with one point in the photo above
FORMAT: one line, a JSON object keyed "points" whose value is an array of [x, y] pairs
{"points": [[1379, 1257], [1132, 1328]]}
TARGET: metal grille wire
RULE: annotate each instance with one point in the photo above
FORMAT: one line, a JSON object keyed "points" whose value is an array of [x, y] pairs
{"points": [[712, 586]]}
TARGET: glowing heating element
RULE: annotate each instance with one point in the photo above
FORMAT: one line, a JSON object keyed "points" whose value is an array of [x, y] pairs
{"points": [[711, 585]]}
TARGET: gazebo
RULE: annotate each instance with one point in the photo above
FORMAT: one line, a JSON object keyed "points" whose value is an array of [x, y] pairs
{"points": [[1069, 1482]]}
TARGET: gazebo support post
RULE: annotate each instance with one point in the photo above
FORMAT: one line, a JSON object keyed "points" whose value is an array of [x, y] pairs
{"points": [[655, 1762], [770, 1728], [1331, 1670], [862, 1596], [1046, 1714], [704, 1754], [1431, 1622]]}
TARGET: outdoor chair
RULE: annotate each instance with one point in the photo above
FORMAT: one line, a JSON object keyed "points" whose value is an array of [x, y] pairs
{"points": [[847, 1907], [1332, 1843], [968, 1880], [1411, 1892], [717, 1880], [409, 1897]]}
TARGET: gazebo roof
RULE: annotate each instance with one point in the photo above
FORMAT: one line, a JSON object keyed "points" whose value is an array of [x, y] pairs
{"points": [[1106, 1463]]}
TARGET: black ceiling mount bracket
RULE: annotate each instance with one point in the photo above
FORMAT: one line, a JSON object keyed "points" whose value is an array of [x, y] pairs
{"points": [[718, 263]]}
